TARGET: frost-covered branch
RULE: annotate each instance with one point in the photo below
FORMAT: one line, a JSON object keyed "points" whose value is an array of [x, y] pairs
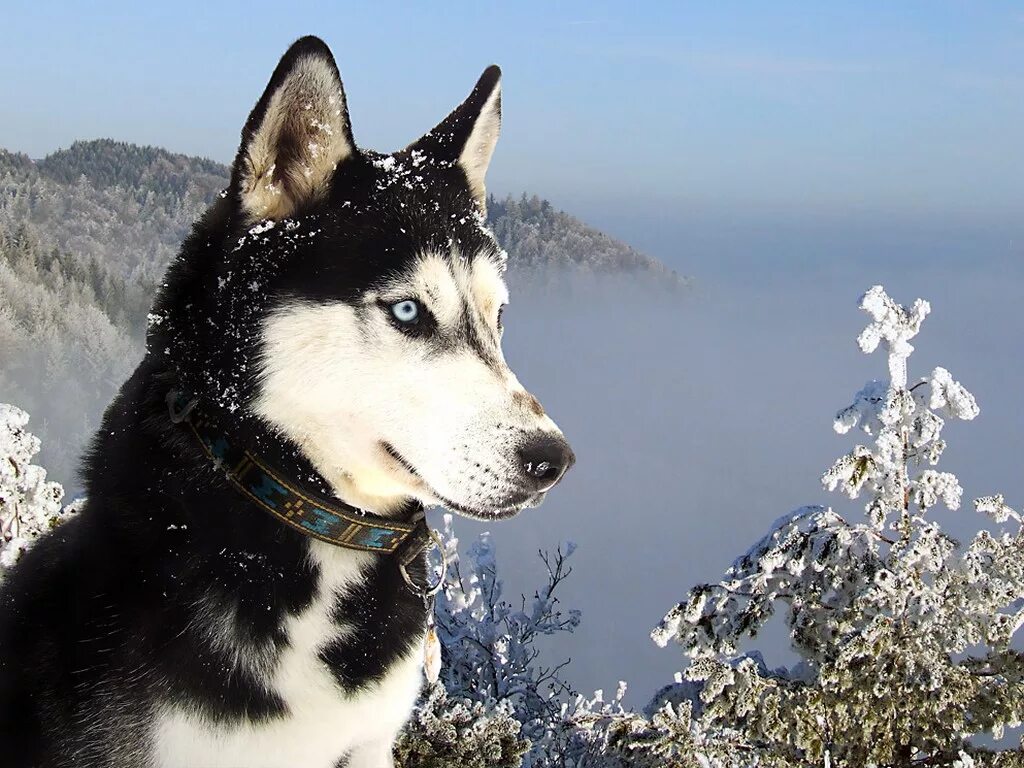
{"points": [[29, 503], [489, 644]]}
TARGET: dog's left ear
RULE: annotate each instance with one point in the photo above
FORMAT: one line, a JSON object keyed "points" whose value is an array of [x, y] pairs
{"points": [[296, 135], [468, 135]]}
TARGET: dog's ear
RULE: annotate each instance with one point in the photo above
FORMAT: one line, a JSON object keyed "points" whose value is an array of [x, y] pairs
{"points": [[468, 135], [296, 135]]}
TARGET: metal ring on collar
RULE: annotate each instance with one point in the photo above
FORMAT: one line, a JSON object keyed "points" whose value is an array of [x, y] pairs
{"points": [[179, 413], [432, 589]]}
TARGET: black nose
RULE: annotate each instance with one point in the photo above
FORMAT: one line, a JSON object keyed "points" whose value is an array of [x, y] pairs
{"points": [[545, 459]]}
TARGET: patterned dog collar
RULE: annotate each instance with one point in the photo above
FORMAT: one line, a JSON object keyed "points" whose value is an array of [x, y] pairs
{"points": [[307, 512]]}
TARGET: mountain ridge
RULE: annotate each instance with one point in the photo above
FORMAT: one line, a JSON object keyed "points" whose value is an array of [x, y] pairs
{"points": [[536, 234]]}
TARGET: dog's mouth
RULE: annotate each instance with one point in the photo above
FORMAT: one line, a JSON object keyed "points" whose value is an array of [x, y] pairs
{"points": [[500, 513], [404, 463]]}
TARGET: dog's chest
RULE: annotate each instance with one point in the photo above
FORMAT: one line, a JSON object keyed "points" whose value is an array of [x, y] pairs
{"points": [[323, 721]]}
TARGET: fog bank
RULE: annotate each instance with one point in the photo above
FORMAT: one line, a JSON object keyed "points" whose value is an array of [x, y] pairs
{"points": [[700, 418]]}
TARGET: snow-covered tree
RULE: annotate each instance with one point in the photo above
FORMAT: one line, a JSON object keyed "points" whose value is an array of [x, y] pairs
{"points": [[488, 642], [489, 653], [493, 679], [29, 503], [903, 633], [448, 732]]}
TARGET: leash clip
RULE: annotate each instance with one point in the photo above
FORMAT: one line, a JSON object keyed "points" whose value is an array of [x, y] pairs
{"points": [[431, 589], [177, 407]]}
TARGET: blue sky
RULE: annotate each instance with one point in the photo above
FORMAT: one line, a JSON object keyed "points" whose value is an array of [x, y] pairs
{"points": [[792, 109]]}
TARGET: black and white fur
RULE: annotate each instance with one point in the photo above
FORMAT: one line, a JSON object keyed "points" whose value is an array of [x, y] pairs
{"points": [[172, 624]]}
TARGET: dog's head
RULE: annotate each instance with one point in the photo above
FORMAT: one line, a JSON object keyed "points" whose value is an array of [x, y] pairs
{"points": [[366, 291]]}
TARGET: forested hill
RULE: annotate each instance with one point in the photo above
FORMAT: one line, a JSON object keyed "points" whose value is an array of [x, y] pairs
{"points": [[132, 206], [107, 163], [87, 232], [536, 234]]}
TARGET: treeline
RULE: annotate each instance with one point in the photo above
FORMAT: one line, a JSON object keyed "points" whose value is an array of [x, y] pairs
{"points": [[144, 170], [538, 235], [131, 221], [131, 206], [69, 335]]}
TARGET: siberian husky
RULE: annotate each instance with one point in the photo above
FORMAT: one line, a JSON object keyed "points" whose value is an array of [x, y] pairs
{"points": [[245, 584]]}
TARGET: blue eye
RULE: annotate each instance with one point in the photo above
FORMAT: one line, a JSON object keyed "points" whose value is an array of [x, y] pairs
{"points": [[406, 311], [410, 317]]}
